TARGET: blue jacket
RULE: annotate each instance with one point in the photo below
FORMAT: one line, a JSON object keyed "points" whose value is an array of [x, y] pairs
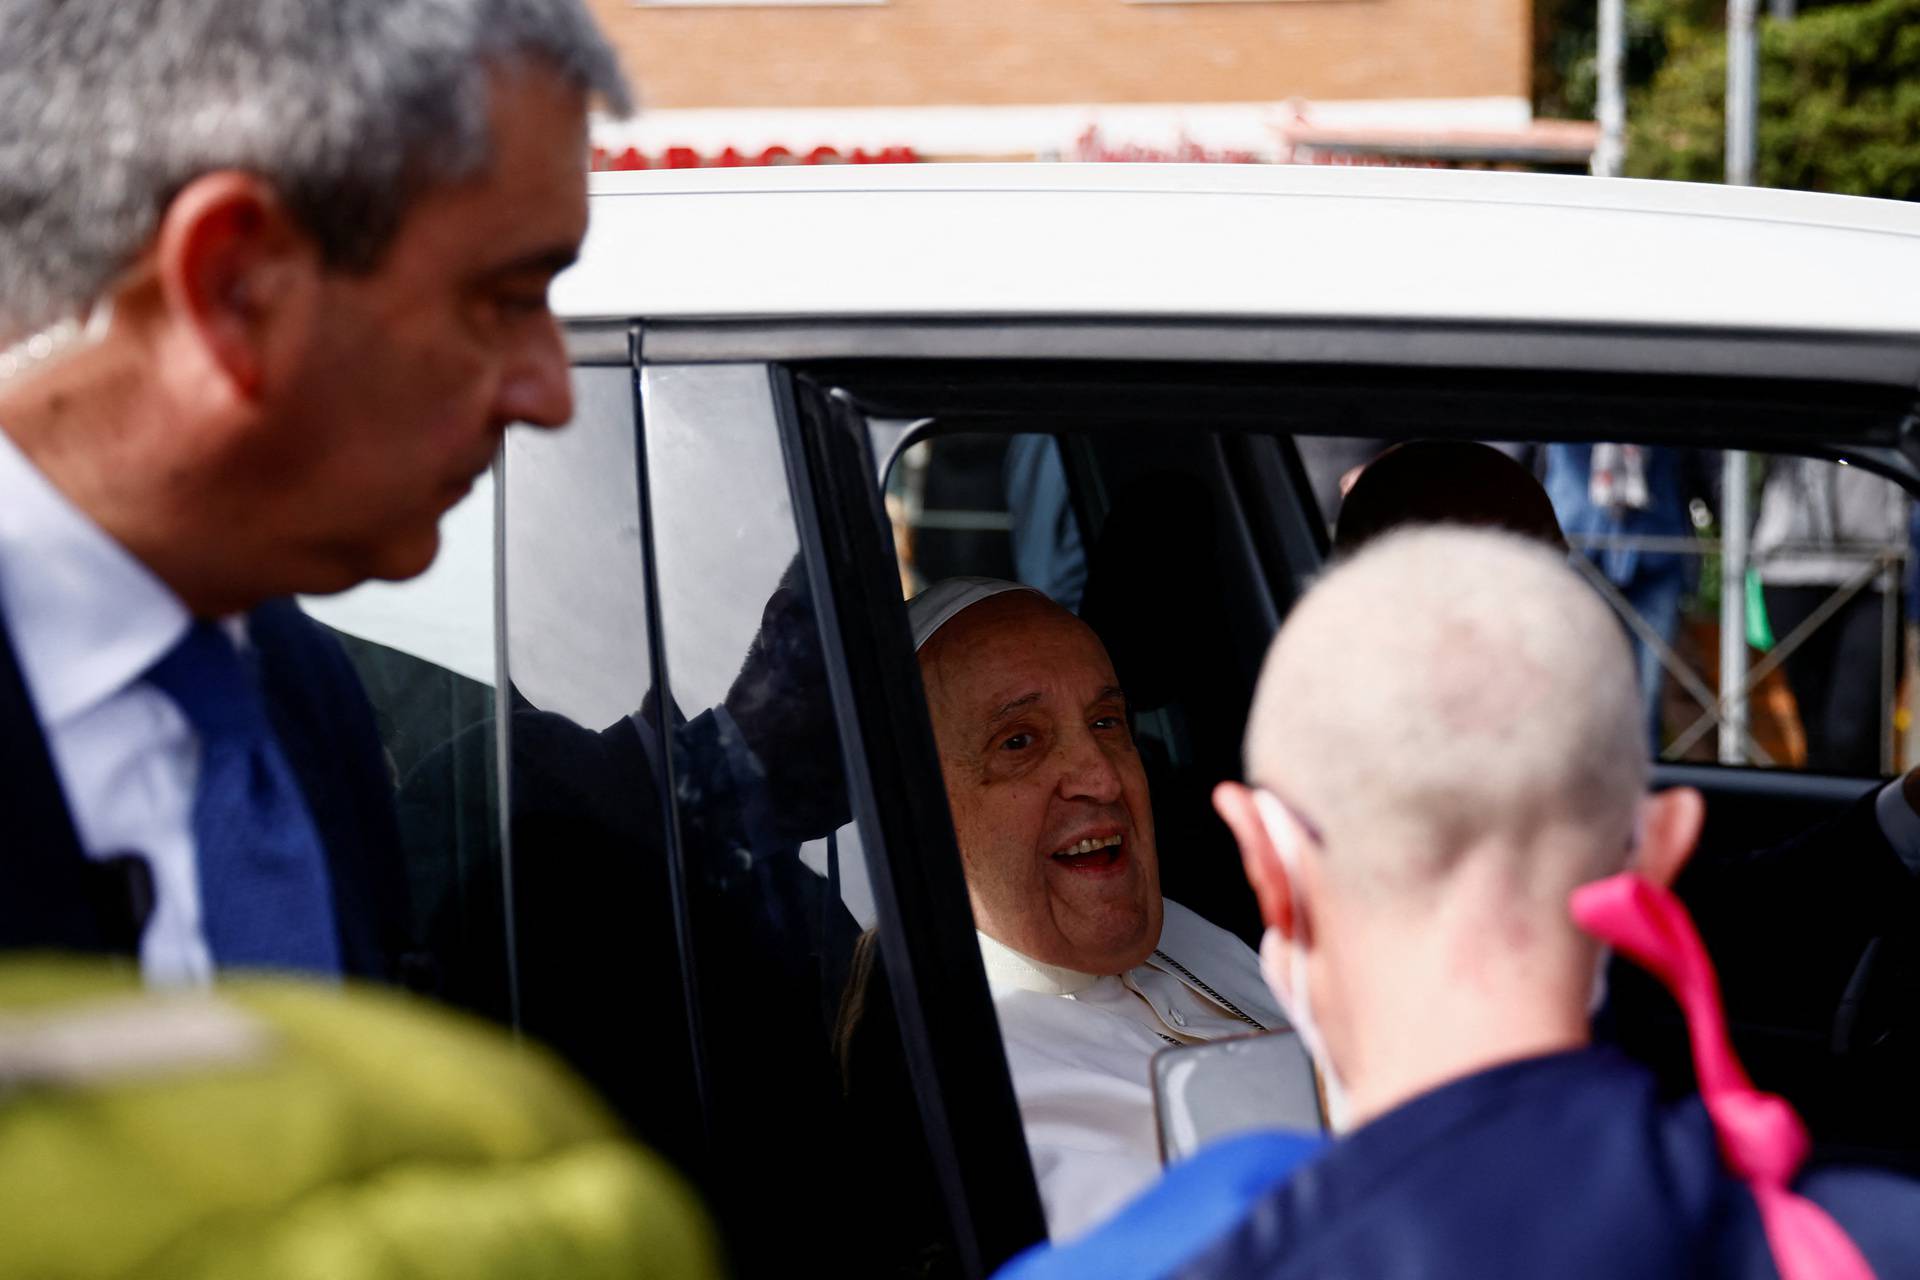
{"points": [[1665, 515], [1569, 1166]]}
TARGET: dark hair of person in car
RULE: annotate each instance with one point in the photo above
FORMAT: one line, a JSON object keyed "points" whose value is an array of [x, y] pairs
{"points": [[1444, 482]]}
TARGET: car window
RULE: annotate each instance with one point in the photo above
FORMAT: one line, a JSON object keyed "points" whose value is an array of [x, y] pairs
{"points": [[1824, 539], [594, 932], [425, 655], [692, 913], [1822, 607], [538, 906], [815, 1140], [709, 963]]}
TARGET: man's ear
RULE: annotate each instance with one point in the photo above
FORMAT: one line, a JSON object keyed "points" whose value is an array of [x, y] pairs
{"points": [[1670, 823], [1265, 872], [232, 267]]}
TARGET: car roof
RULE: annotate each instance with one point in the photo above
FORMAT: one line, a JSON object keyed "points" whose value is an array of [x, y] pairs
{"points": [[1279, 242]]}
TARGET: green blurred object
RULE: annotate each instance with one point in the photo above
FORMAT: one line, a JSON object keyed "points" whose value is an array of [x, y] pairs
{"points": [[1759, 629], [1839, 100], [274, 1128]]}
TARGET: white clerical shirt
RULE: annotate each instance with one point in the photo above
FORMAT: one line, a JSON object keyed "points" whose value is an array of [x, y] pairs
{"points": [[1078, 1044], [1078, 1047], [87, 620]]}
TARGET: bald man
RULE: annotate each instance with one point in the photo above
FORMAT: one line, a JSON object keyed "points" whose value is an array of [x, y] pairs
{"points": [[1092, 971], [1423, 804]]}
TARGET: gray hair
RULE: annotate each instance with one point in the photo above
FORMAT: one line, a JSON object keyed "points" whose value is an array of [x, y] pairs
{"points": [[350, 108], [1447, 691]]}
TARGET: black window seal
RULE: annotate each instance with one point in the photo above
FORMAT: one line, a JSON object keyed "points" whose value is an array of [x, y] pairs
{"points": [[662, 757], [1826, 788], [503, 738], [1391, 400], [1876, 356], [948, 1028]]}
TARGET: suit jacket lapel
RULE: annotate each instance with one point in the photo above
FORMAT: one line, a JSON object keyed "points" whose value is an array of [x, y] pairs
{"points": [[52, 896], [320, 714], [48, 895]]}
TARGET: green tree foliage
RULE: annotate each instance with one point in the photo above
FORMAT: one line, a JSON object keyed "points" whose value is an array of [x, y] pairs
{"points": [[1566, 54], [1562, 42], [1839, 103], [1566, 36]]}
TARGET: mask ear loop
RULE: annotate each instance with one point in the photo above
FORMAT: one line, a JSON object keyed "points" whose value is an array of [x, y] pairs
{"points": [[1275, 816], [1597, 998], [1283, 955]]}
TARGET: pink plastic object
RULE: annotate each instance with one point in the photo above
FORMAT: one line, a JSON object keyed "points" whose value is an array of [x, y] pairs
{"points": [[1761, 1138]]}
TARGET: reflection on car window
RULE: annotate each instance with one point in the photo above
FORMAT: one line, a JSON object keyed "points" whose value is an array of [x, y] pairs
{"points": [[776, 880], [424, 652], [577, 620], [597, 964]]}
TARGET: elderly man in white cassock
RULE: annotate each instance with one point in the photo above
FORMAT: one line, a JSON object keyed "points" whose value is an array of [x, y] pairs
{"points": [[1091, 970]]}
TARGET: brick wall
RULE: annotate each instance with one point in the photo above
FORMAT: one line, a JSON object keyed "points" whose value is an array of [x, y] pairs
{"points": [[933, 52]]}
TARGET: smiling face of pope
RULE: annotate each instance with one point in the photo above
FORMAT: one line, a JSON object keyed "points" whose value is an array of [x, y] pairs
{"points": [[1049, 798]]}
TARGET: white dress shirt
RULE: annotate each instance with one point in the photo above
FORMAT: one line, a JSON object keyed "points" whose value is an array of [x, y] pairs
{"points": [[1078, 1047], [87, 620]]}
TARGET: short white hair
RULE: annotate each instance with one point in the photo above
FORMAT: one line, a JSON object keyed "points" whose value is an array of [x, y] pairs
{"points": [[1448, 690]]}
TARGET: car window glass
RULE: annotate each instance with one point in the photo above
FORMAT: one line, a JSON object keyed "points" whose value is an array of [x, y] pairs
{"points": [[1823, 603], [597, 972], [576, 617], [1826, 599], [578, 655], [1835, 536], [424, 652], [1331, 464], [779, 909]]}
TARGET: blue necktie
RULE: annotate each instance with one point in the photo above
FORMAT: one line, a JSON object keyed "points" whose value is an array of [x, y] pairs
{"points": [[264, 895]]}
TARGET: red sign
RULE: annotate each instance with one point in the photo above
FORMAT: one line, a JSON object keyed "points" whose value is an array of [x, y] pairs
{"points": [[732, 158], [1092, 146]]}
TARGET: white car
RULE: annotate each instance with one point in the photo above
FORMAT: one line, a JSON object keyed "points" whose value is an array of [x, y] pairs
{"points": [[668, 781]]}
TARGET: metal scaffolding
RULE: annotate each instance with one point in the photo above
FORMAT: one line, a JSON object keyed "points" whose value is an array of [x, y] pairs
{"points": [[1881, 569]]}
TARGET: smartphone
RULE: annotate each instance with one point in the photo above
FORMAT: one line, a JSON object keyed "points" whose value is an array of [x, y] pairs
{"points": [[1206, 1091]]}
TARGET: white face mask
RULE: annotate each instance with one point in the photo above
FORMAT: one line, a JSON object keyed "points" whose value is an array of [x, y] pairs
{"points": [[1598, 996], [1283, 963]]}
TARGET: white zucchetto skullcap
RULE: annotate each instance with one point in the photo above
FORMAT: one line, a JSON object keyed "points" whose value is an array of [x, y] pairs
{"points": [[948, 598]]}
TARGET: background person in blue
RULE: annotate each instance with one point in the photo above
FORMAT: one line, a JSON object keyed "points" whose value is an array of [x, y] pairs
{"points": [[1424, 802], [1633, 491]]}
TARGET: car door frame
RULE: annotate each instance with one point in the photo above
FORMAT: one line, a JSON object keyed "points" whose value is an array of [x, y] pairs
{"points": [[958, 1069]]}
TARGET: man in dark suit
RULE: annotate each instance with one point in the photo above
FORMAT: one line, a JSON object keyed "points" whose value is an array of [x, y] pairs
{"points": [[272, 286]]}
